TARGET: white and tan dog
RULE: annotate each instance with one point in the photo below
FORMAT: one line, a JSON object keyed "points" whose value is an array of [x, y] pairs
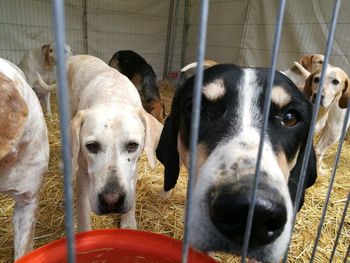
{"points": [[38, 65], [24, 152], [334, 101], [109, 131], [301, 70]]}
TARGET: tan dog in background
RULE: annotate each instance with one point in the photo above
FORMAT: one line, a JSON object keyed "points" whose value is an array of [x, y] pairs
{"points": [[24, 152], [334, 101], [301, 70], [38, 65], [109, 131]]}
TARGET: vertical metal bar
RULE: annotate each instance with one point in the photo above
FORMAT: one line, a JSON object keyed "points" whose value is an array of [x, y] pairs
{"points": [[60, 39], [173, 36], [184, 34], [197, 92], [168, 36], [315, 110], [85, 31], [267, 104], [330, 187], [342, 221], [347, 255]]}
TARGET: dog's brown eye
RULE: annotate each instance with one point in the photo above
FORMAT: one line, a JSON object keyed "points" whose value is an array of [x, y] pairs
{"points": [[335, 81], [320, 62], [93, 147], [51, 50], [132, 146], [289, 120], [316, 80]]}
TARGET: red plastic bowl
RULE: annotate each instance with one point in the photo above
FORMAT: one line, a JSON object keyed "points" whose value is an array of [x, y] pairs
{"points": [[116, 245]]}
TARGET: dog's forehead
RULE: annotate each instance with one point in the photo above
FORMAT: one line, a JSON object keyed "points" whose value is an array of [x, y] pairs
{"points": [[113, 123]]}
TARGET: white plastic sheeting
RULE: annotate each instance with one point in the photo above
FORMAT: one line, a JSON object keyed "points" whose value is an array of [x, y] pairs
{"points": [[111, 26], [241, 31]]}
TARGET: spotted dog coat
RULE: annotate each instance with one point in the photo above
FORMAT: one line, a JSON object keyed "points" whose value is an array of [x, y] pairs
{"points": [[230, 124], [24, 152]]}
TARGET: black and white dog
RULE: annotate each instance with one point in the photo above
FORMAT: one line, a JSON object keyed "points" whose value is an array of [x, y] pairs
{"points": [[143, 77], [230, 124]]}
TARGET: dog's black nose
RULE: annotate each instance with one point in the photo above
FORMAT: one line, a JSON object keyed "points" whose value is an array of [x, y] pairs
{"points": [[111, 202], [229, 205]]}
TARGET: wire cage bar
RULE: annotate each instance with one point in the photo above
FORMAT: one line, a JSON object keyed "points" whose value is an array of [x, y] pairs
{"points": [[59, 21]]}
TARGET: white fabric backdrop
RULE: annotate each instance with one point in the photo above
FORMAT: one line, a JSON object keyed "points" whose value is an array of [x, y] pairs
{"points": [[239, 31]]}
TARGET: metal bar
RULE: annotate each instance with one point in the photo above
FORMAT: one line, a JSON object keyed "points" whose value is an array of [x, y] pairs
{"points": [[184, 34], [85, 30], [173, 36], [315, 110], [202, 34], [267, 104], [342, 221], [60, 39], [331, 183], [347, 255], [168, 36]]}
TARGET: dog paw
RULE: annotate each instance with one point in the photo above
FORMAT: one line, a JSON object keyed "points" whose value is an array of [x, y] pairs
{"points": [[129, 223], [164, 195]]}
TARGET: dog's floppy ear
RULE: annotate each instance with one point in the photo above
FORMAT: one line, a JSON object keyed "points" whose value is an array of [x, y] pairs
{"points": [[47, 50], [344, 99], [308, 84], [13, 115], [75, 127], [306, 61], [167, 152], [310, 178], [153, 130]]}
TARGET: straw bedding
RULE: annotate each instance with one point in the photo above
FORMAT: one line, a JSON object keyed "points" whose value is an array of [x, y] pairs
{"points": [[166, 217]]}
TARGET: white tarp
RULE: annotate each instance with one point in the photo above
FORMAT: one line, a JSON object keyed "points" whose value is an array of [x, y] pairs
{"points": [[242, 32], [239, 31]]}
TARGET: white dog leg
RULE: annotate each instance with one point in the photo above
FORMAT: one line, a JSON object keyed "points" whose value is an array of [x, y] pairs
{"points": [[48, 104], [24, 219], [83, 204], [128, 219]]}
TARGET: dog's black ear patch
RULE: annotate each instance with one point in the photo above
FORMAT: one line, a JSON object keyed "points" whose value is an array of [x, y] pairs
{"points": [[167, 152], [310, 178]]}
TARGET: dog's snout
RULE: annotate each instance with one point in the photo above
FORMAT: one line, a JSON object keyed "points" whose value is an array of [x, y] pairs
{"points": [[228, 209], [111, 200]]}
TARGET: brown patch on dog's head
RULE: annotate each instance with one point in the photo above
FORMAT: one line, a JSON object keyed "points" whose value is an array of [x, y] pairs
{"points": [[308, 91], [202, 154], [48, 55], [13, 115], [312, 62], [156, 108], [285, 165], [344, 99]]}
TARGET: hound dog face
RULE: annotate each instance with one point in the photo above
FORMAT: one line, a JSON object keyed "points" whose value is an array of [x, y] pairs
{"points": [[335, 87], [230, 124], [312, 62], [49, 53], [107, 145]]}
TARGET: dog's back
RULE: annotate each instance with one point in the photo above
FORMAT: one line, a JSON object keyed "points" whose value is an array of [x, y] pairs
{"points": [[92, 81]]}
